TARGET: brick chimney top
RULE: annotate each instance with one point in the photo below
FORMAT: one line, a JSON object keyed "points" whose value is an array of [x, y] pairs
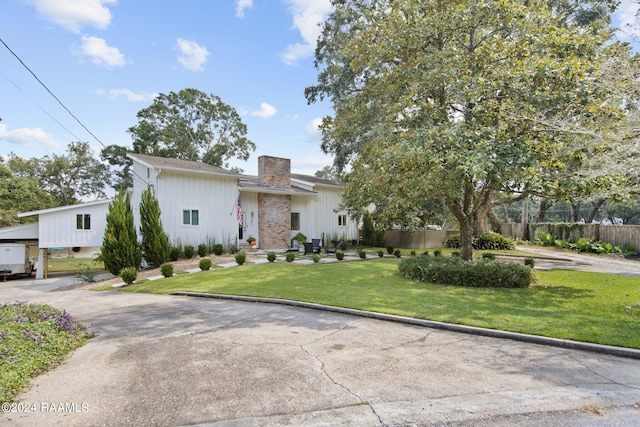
{"points": [[274, 171]]}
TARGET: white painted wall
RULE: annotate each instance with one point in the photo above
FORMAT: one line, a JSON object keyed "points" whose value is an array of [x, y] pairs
{"points": [[58, 227], [214, 198]]}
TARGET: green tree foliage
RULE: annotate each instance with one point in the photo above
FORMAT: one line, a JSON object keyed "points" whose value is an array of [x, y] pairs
{"points": [[121, 165], [465, 100], [120, 247], [191, 125], [368, 231], [20, 194], [68, 177], [155, 242]]}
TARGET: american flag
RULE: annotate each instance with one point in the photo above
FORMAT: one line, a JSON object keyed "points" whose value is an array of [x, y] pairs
{"points": [[238, 212]]}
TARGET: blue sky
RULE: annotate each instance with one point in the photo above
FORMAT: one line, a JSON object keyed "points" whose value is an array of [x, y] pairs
{"points": [[106, 59]]}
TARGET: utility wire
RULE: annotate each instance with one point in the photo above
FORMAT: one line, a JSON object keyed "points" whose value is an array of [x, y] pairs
{"points": [[40, 106], [51, 93]]}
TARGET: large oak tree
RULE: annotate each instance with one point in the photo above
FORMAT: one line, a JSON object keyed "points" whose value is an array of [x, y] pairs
{"points": [[464, 100]]}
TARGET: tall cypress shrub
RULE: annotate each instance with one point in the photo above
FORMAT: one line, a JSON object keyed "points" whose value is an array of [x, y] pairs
{"points": [[368, 232], [155, 242], [120, 247]]}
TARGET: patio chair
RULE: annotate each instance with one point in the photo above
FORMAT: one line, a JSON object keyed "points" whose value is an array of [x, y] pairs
{"points": [[334, 249]]}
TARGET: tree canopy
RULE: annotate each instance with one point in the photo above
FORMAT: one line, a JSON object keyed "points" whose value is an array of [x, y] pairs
{"points": [[69, 177], [464, 100], [20, 194], [191, 125]]}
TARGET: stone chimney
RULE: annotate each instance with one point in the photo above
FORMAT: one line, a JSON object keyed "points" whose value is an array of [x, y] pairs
{"points": [[274, 171]]}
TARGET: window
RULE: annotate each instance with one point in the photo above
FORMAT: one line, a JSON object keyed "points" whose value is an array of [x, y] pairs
{"points": [[342, 220], [295, 220], [190, 217], [83, 222]]}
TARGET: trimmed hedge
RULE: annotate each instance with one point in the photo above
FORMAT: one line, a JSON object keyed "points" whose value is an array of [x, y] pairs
{"points": [[453, 271], [490, 240], [205, 264]]}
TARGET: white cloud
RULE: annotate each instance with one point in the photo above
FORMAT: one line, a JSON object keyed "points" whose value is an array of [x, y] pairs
{"points": [[627, 19], [74, 14], [265, 111], [192, 55], [241, 5], [128, 94], [307, 17], [313, 128], [101, 54], [34, 137]]}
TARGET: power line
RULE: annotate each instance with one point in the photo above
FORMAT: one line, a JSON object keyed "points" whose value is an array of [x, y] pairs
{"points": [[40, 106], [51, 93]]}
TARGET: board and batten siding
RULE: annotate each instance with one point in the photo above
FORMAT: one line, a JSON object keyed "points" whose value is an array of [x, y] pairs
{"points": [[58, 228], [214, 198], [317, 214]]}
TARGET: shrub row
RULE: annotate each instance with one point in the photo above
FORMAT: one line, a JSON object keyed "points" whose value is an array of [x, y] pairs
{"points": [[490, 240], [453, 271]]}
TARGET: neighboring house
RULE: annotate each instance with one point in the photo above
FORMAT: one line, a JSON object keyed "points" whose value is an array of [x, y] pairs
{"points": [[201, 203]]}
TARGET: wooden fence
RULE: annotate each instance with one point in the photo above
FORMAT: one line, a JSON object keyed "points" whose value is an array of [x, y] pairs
{"points": [[617, 235]]}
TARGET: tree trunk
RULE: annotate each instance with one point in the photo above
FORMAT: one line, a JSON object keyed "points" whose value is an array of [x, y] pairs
{"points": [[575, 212], [466, 241], [594, 211], [545, 204]]}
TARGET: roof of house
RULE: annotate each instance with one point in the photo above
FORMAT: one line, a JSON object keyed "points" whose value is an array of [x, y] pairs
{"points": [[252, 184], [180, 165], [64, 208], [248, 182]]}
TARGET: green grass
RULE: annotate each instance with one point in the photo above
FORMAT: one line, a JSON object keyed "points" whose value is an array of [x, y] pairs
{"points": [[582, 306], [33, 339], [57, 265]]}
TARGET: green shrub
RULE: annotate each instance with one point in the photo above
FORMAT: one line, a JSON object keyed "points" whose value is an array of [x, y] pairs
{"points": [[413, 253], [86, 274], [290, 256], [166, 269], [455, 254], [339, 255], [489, 256], [490, 240], [204, 264], [437, 252], [380, 253], [397, 253], [241, 258], [189, 251], [174, 253], [362, 253], [271, 256], [316, 258], [530, 262], [218, 248], [389, 249], [454, 271], [425, 253], [202, 250], [128, 275]]}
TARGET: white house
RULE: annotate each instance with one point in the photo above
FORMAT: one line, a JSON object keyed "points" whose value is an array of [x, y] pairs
{"points": [[201, 203]]}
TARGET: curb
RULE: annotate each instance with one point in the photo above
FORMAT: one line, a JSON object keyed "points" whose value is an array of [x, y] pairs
{"points": [[493, 333]]}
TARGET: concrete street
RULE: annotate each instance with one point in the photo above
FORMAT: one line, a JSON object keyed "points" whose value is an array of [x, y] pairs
{"points": [[176, 361]]}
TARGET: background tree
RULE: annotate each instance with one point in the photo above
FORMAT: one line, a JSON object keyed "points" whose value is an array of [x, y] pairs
{"points": [[464, 100], [155, 242], [120, 247], [191, 125], [116, 157], [20, 194], [69, 177]]}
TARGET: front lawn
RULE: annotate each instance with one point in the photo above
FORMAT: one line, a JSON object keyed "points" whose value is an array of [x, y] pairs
{"points": [[582, 306]]}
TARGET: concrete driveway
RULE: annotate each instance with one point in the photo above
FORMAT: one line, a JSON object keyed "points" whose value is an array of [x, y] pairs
{"points": [[171, 361]]}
